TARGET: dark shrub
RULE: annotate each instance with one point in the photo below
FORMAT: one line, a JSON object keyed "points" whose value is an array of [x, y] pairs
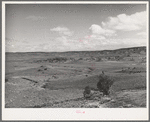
{"points": [[39, 70], [104, 84], [6, 80], [98, 59]]}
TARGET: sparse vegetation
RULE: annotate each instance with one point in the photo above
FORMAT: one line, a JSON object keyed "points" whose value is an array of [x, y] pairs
{"points": [[132, 70], [52, 60], [58, 79]]}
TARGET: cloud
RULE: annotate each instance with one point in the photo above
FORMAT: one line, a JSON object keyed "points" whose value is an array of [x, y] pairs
{"points": [[99, 33], [95, 36], [125, 22], [13, 45], [63, 39], [62, 31], [35, 18], [128, 42], [97, 29], [143, 34]]}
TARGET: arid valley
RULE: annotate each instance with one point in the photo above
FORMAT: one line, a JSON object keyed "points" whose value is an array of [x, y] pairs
{"points": [[58, 79]]}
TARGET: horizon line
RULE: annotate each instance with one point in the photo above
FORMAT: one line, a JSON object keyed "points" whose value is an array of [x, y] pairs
{"points": [[76, 51]]}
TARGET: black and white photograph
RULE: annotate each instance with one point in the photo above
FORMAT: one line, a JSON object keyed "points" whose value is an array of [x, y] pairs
{"points": [[77, 56]]}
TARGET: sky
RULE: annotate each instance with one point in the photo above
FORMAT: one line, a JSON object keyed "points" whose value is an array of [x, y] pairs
{"points": [[74, 27]]}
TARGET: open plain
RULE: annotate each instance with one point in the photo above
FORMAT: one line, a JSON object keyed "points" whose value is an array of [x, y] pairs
{"points": [[57, 80]]}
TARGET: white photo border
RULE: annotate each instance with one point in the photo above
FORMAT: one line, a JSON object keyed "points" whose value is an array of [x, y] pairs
{"points": [[70, 113]]}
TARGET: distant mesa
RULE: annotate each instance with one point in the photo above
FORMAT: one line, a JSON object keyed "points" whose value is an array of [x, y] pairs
{"points": [[137, 54]]}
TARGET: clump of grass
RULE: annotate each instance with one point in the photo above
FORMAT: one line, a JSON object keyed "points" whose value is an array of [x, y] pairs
{"points": [[87, 92]]}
